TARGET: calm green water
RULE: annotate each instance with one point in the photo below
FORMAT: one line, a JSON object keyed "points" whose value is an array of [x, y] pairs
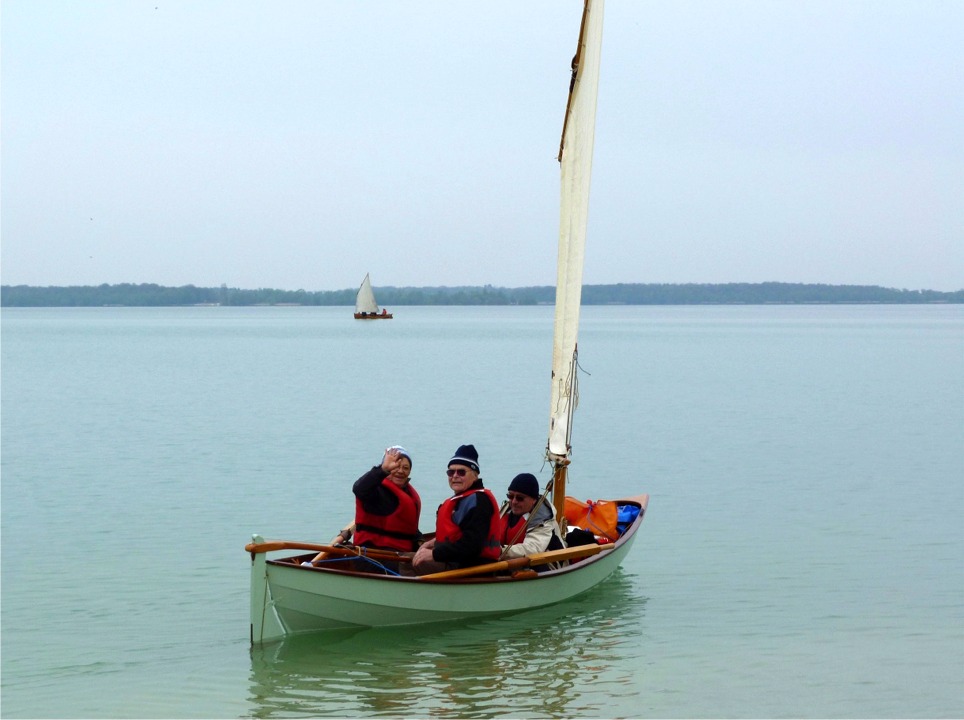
{"points": [[803, 555]]}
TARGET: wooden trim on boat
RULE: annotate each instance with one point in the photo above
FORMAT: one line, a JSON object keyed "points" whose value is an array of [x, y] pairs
{"points": [[572, 553], [272, 545]]}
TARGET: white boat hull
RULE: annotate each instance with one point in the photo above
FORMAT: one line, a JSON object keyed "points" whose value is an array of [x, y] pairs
{"points": [[287, 598]]}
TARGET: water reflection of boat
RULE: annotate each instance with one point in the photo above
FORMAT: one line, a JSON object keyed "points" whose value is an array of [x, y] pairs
{"points": [[509, 666]]}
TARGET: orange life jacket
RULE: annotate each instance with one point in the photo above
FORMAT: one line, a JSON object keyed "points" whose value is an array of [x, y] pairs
{"points": [[507, 532], [398, 531], [447, 531]]}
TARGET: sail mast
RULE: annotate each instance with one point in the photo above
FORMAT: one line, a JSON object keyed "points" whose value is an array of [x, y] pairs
{"points": [[575, 159]]}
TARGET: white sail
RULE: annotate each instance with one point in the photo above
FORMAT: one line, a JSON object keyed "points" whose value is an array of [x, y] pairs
{"points": [[365, 300], [575, 157]]}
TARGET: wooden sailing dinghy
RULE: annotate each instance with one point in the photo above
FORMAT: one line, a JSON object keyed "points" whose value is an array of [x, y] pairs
{"points": [[365, 306], [353, 588]]}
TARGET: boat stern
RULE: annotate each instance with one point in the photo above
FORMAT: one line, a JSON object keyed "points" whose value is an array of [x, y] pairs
{"points": [[266, 625]]}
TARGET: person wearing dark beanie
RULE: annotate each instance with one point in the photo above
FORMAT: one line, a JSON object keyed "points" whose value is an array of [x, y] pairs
{"points": [[526, 484], [467, 523], [528, 522], [466, 455]]}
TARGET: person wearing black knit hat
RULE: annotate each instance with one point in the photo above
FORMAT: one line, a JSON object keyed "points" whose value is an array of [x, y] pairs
{"points": [[467, 523], [466, 455], [528, 522]]}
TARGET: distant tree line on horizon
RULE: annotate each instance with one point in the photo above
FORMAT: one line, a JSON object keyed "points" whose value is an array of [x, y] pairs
{"points": [[151, 295]]}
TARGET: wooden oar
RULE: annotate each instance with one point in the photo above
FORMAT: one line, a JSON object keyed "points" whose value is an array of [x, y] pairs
{"points": [[580, 551], [272, 545], [343, 536]]}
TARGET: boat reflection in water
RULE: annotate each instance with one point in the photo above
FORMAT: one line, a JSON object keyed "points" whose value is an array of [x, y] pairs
{"points": [[569, 659]]}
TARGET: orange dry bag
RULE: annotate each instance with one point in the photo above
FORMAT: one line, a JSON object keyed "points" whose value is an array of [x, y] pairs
{"points": [[598, 517]]}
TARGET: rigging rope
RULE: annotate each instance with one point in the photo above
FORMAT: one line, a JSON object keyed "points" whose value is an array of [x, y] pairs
{"points": [[352, 558]]}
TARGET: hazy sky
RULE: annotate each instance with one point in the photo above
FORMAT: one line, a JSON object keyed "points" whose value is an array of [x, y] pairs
{"points": [[301, 144]]}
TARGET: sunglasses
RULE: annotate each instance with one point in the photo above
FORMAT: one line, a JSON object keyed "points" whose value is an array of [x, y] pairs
{"points": [[452, 472], [516, 496]]}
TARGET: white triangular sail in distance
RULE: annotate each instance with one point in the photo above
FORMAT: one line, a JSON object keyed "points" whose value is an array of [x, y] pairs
{"points": [[365, 300], [575, 157]]}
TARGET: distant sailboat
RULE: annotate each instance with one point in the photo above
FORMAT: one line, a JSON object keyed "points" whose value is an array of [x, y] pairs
{"points": [[365, 306]]}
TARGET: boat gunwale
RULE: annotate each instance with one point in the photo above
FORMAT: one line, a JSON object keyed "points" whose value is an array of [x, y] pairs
{"points": [[293, 562]]}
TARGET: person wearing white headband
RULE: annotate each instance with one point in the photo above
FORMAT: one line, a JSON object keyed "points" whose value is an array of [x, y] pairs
{"points": [[387, 507]]}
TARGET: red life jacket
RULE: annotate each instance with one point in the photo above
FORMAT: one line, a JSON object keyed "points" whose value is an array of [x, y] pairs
{"points": [[447, 531], [507, 532], [397, 531]]}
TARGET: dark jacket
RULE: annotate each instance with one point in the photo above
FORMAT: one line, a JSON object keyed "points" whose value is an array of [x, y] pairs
{"points": [[477, 516], [374, 498]]}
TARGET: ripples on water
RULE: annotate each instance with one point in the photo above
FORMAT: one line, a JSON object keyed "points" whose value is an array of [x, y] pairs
{"points": [[576, 659], [802, 557]]}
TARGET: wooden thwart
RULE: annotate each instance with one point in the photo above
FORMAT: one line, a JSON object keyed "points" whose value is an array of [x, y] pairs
{"points": [[580, 551], [272, 545]]}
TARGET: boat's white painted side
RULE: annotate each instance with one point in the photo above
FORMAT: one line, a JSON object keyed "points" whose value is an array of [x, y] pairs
{"points": [[289, 599]]}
